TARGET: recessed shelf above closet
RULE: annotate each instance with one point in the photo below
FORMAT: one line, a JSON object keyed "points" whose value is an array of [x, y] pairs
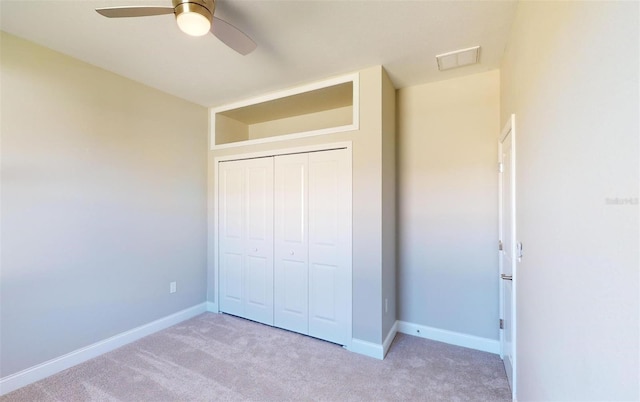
{"points": [[325, 107]]}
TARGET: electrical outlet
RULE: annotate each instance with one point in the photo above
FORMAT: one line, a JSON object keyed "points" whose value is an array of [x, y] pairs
{"points": [[172, 287]]}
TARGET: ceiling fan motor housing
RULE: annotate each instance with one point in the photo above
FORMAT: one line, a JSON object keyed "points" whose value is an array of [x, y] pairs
{"points": [[203, 7]]}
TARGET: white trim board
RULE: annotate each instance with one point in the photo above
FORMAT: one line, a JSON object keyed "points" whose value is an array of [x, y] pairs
{"points": [[450, 337], [435, 334], [389, 339], [53, 366], [371, 349], [366, 348]]}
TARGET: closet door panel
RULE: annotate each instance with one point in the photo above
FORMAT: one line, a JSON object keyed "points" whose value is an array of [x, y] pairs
{"points": [[259, 200], [233, 278], [291, 243], [329, 259], [258, 273], [291, 297], [256, 285], [324, 279], [245, 205], [231, 243]]}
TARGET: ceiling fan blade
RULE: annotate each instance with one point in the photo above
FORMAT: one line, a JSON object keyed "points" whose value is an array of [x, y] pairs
{"points": [[232, 36], [134, 11]]}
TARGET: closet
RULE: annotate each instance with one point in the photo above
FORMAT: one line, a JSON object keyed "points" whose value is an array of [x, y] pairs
{"points": [[284, 241]]}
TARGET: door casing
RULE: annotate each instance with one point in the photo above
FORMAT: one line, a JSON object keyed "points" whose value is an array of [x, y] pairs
{"points": [[508, 131]]}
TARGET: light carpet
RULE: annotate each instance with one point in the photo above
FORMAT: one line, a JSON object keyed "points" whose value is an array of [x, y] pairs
{"points": [[221, 357]]}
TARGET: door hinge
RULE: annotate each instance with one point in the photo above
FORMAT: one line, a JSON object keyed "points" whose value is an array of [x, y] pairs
{"points": [[501, 323], [500, 167], [500, 245]]}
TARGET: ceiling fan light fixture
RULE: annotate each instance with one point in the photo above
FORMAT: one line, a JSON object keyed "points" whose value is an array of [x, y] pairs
{"points": [[193, 19]]}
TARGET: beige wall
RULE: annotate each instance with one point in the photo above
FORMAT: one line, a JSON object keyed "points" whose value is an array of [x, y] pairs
{"points": [[447, 204], [342, 116], [570, 75], [389, 226], [230, 130], [103, 203]]}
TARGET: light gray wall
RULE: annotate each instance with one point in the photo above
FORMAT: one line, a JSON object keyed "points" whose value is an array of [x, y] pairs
{"points": [[103, 204], [447, 204], [367, 204], [570, 75]]}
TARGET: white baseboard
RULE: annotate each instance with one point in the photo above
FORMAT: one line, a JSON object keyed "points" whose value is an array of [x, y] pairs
{"points": [[389, 339], [53, 366], [374, 350], [212, 307], [450, 337], [367, 348]]}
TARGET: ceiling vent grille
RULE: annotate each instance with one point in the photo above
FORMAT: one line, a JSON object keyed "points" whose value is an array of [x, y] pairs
{"points": [[458, 58]]}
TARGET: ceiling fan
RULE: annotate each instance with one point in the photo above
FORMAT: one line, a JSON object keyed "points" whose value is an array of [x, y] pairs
{"points": [[194, 17]]}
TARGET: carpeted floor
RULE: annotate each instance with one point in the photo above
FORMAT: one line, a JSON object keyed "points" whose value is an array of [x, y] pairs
{"points": [[220, 357]]}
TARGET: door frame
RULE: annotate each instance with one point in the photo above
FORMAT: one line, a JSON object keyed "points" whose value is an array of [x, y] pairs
{"points": [[509, 129], [213, 219]]}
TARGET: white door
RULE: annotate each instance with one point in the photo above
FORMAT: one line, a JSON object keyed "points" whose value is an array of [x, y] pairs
{"points": [[291, 271], [231, 244], [246, 238], [507, 250], [330, 245]]}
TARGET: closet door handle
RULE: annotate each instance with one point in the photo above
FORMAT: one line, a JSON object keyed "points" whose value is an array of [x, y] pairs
{"points": [[506, 277]]}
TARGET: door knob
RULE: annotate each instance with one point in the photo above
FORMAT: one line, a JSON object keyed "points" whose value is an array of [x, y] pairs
{"points": [[291, 252], [506, 277]]}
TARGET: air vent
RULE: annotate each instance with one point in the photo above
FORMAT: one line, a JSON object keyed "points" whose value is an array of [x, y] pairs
{"points": [[458, 58]]}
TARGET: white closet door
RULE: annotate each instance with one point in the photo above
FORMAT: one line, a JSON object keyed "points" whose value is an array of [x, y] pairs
{"points": [[246, 238], [291, 243], [259, 240], [330, 245], [231, 237]]}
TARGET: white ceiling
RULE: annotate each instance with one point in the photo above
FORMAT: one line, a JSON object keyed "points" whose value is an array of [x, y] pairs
{"points": [[298, 41]]}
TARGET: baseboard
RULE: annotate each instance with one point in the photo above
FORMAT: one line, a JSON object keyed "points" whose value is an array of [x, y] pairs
{"points": [[450, 337], [53, 366], [212, 307], [367, 348], [389, 339], [373, 349]]}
